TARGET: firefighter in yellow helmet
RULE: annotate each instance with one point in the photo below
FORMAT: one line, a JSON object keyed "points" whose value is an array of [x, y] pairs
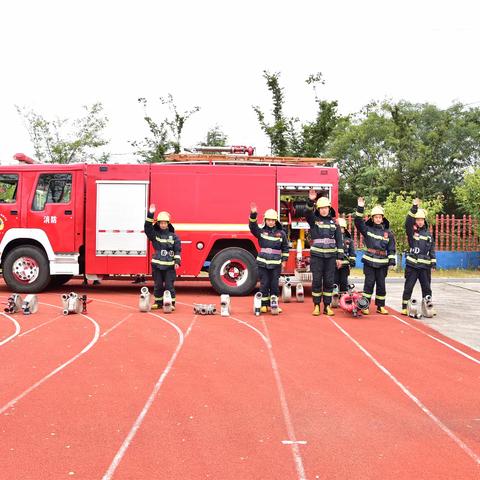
{"points": [[421, 258], [166, 258], [379, 254], [326, 250], [273, 254]]}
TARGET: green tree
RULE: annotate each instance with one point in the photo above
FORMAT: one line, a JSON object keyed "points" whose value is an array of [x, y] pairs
{"points": [[468, 194], [215, 138], [288, 136], [165, 136], [397, 206], [281, 131], [64, 140], [394, 147]]}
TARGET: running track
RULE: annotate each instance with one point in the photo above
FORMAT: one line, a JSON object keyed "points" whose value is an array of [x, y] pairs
{"points": [[119, 394]]}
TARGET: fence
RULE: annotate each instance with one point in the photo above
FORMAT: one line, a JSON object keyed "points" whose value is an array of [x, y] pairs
{"points": [[452, 234]]}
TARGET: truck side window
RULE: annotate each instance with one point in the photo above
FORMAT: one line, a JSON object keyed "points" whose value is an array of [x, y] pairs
{"points": [[52, 188], [8, 188]]}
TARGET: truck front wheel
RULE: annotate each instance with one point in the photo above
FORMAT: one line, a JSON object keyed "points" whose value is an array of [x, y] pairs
{"points": [[233, 271], [26, 270]]}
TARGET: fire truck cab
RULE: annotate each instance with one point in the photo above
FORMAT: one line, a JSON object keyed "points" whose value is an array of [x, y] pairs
{"points": [[58, 221]]}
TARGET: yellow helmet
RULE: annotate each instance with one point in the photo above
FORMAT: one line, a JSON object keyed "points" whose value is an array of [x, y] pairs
{"points": [[271, 214], [163, 217], [421, 213], [342, 222], [377, 210], [323, 202]]}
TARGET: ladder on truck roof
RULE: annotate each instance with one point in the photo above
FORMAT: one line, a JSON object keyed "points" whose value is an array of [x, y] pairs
{"points": [[246, 160]]}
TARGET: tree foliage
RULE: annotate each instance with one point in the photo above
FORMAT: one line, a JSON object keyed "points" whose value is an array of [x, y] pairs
{"points": [[394, 147], [64, 140], [215, 138], [468, 194], [397, 206], [165, 136], [288, 136]]}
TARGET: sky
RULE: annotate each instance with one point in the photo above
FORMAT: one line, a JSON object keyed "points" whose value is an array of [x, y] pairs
{"points": [[57, 56]]}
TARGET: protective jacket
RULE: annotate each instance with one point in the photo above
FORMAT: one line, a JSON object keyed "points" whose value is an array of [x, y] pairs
{"points": [[325, 234], [349, 256], [166, 243], [273, 243], [421, 243], [379, 241]]}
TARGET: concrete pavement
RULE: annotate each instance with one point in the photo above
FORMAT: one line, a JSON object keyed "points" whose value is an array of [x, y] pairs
{"points": [[456, 300]]}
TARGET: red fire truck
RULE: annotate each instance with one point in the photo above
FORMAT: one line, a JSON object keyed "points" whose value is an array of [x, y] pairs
{"points": [[58, 221]]}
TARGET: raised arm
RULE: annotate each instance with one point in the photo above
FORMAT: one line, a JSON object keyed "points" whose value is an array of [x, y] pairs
{"points": [[252, 224], [359, 221], [148, 226]]}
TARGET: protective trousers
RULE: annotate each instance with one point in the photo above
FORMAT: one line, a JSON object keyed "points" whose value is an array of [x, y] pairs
{"points": [[163, 280], [323, 272], [268, 283], [424, 275], [375, 277], [341, 279]]}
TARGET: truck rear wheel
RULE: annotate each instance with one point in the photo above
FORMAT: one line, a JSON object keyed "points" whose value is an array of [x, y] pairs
{"points": [[26, 270], [234, 271]]}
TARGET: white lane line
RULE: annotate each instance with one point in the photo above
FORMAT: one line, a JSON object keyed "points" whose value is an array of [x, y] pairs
{"points": [[292, 441], [106, 332], [17, 329], [406, 391], [297, 456], [41, 325], [264, 338], [92, 342], [138, 422], [466, 355]]}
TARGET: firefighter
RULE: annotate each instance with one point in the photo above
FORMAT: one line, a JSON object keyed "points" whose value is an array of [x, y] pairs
{"points": [[421, 258], [326, 250], [379, 255], [273, 254], [349, 258], [166, 258]]}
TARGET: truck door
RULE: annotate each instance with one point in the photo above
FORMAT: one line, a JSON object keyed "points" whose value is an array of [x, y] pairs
{"points": [[51, 208], [10, 202]]}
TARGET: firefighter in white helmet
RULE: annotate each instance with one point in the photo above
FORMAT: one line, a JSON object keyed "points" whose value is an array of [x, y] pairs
{"points": [[349, 258], [379, 254], [326, 250], [421, 258], [166, 258], [273, 253]]}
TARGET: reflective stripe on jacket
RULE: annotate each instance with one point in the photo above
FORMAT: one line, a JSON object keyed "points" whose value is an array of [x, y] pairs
{"points": [[273, 243]]}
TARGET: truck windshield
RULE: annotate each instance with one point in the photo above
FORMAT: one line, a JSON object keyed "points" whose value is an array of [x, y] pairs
{"points": [[8, 188]]}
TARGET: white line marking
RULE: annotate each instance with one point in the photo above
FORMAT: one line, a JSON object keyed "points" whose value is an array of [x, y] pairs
{"points": [[106, 332], [41, 325], [412, 397], [17, 329], [290, 442], [297, 456], [264, 338], [138, 422], [11, 403], [466, 355]]}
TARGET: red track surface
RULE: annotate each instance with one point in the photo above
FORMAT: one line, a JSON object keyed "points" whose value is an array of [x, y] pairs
{"points": [[185, 397]]}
